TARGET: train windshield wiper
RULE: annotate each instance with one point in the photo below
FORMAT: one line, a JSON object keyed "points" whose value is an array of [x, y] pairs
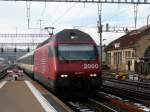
{"points": [[92, 57], [63, 58]]}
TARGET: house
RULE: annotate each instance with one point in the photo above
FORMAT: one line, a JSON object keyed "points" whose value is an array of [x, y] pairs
{"points": [[124, 52]]}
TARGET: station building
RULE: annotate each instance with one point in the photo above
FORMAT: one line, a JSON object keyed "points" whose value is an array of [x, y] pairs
{"points": [[123, 53]]}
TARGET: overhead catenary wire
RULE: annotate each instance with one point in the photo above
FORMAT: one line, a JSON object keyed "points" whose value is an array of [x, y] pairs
{"points": [[56, 8], [41, 16], [43, 11], [28, 8], [61, 16], [108, 18], [116, 15]]}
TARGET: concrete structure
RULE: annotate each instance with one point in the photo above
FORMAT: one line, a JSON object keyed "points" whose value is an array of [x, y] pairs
{"points": [[123, 53]]}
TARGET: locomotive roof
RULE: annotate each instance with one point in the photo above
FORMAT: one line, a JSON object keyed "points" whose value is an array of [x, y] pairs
{"points": [[69, 35], [72, 34]]}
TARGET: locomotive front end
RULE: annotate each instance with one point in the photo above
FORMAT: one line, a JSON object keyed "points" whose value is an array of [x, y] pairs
{"points": [[78, 67]]}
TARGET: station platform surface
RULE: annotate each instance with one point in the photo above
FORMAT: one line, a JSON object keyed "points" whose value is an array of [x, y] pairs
{"points": [[23, 96], [16, 97]]}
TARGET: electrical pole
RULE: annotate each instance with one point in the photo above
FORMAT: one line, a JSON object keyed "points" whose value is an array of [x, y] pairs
{"points": [[135, 14], [100, 30], [28, 13], [148, 20], [40, 22]]}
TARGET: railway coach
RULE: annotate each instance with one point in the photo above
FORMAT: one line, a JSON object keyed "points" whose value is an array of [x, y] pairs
{"points": [[68, 62]]}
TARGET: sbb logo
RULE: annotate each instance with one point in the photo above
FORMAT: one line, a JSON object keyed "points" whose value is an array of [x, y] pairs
{"points": [[90, 66]]}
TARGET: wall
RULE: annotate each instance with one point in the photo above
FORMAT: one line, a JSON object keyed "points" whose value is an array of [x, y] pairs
{"points": [[123, 65], [142, 45]]}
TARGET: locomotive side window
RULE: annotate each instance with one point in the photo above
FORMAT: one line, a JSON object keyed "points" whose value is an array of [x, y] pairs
{"points": [[77, 52]]}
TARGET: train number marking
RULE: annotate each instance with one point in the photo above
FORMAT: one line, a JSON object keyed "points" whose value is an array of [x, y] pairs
{"points": [[90, 66]]}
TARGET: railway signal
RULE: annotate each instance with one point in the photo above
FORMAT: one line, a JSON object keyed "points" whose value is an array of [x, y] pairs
{"points": [[15, 49], [28, 50], [2, 49]]}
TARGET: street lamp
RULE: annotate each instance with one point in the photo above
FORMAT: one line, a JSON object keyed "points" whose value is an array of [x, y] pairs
{"points": [[148, 20]]}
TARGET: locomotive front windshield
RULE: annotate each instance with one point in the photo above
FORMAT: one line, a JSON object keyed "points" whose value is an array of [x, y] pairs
{"points": [[77, 52]]}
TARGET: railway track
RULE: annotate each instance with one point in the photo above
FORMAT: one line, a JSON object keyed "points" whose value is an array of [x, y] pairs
{"points": [[104, 106], [129, 94], [123, 103], [90, 105], [138, 85], [106, 103], [130, 91], [3, 72], [117, 101], [134, 89]]}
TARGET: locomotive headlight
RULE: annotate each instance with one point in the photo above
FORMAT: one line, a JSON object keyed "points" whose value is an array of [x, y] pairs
{"points": [[93, 75], [64, 76]]}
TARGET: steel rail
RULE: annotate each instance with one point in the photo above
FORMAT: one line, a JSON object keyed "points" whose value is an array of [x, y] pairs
{"points": [[119, 102], [103, 105], [132, 95], [133, 83]]}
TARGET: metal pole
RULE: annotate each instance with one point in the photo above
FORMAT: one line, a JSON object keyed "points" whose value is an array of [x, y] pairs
{"points": [[135, 14], [147, 20], [100, 30]]}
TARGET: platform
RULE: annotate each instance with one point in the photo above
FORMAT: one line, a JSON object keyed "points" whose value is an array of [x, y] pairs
{"points": [[16, 97], [23, 96]]}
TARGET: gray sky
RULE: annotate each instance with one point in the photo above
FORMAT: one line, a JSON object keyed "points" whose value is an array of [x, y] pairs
{"points": [[13, 17]]}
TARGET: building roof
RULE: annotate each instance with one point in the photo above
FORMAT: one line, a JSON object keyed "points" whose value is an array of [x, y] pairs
{"points": [[128, 40]]}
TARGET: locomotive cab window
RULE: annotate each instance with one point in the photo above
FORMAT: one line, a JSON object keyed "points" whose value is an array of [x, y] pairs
{"points": [[77, 52]]}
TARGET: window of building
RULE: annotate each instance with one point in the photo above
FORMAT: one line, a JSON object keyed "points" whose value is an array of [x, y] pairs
{"points": [[133, 54], [127, 54], [108, 58], [118, 58], [115, 58]]}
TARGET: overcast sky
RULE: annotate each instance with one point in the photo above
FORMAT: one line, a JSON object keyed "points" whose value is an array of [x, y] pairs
{"points": [[13, 17]]}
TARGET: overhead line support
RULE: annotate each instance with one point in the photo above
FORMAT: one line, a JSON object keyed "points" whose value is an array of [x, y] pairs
{"points": [[92, 1]]}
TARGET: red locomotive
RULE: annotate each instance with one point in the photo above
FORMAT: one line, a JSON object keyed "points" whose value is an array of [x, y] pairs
{"points": [[68, 62]]}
